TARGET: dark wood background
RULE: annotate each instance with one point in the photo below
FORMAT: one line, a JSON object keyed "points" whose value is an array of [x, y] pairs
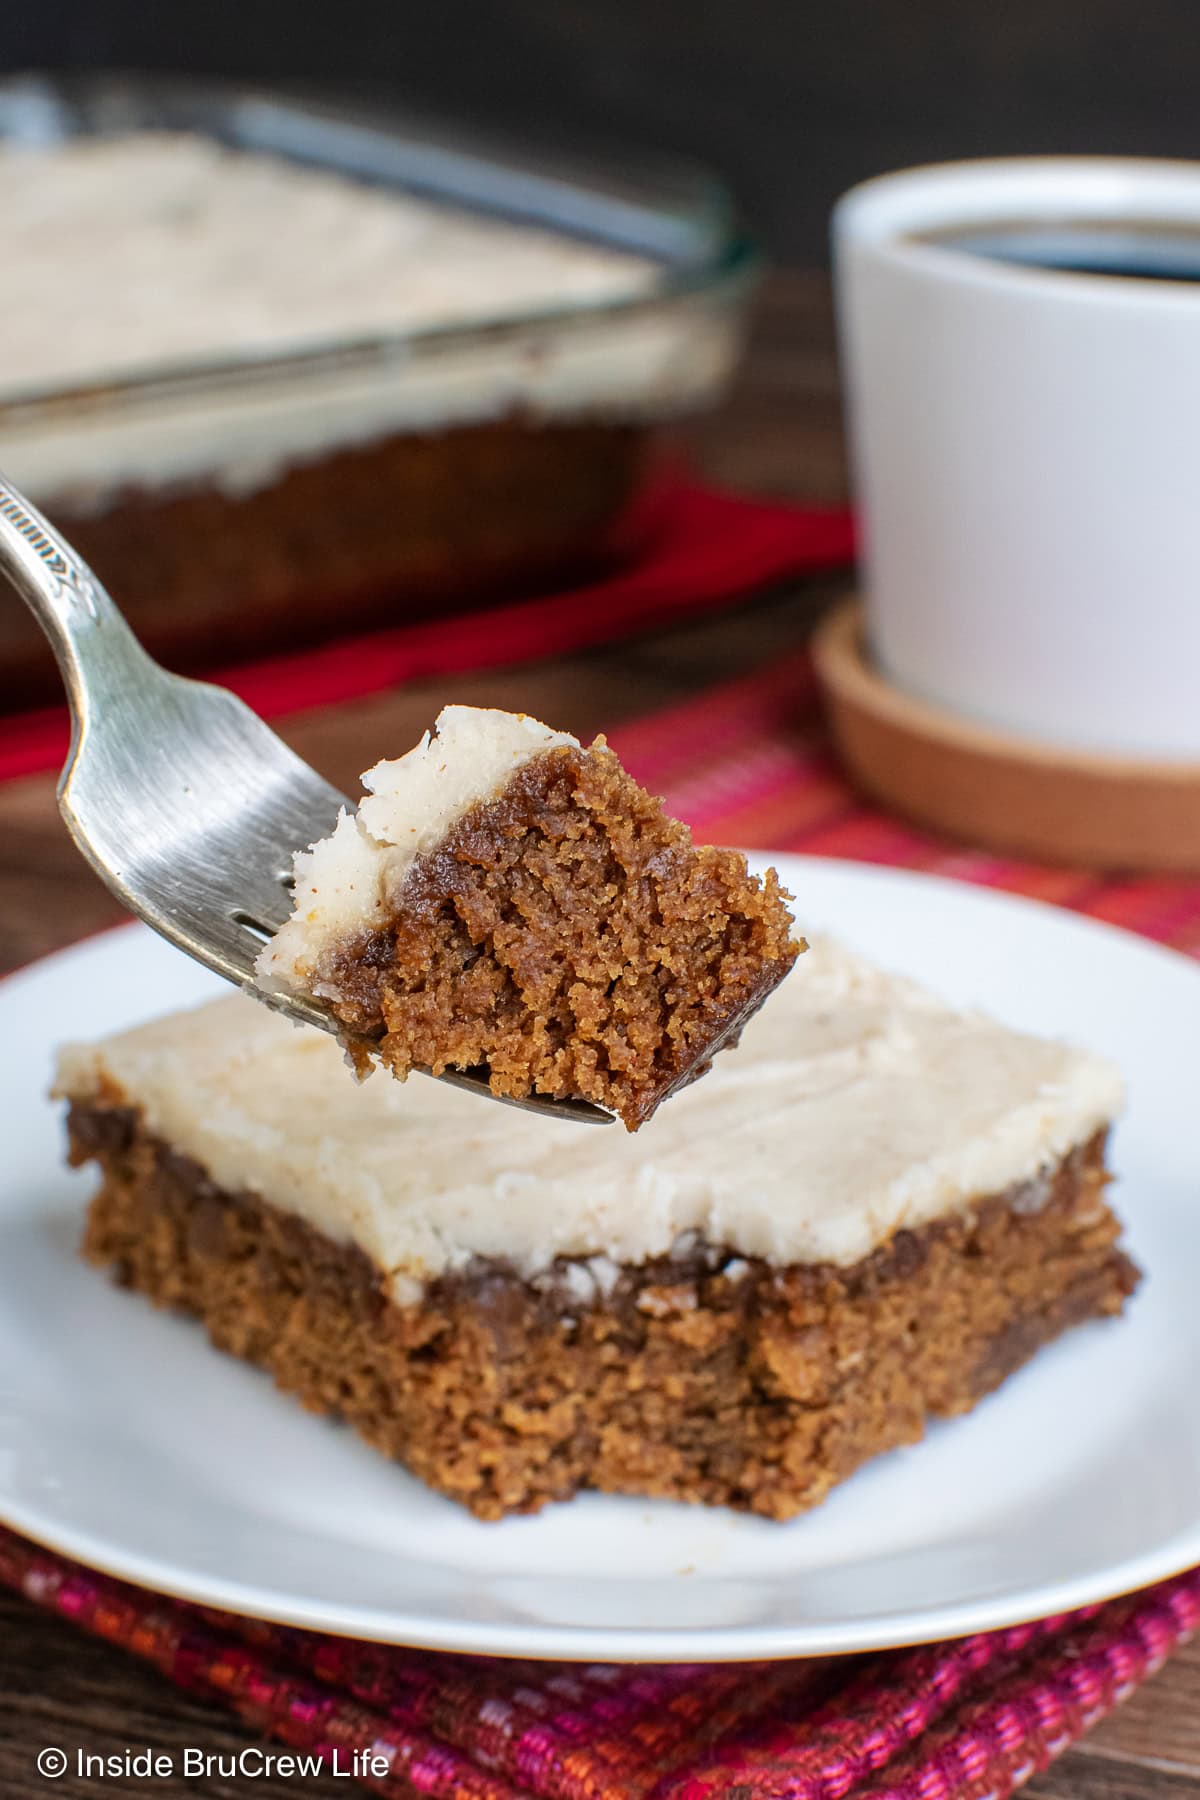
{"points": [[794, 99]]}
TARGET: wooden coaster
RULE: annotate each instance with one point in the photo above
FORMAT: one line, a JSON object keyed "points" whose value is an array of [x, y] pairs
{"points": [[1008, 793]]}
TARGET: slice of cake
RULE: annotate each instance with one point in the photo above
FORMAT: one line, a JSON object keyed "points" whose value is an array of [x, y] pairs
{"points": [[505, 898], [870, 1213]]}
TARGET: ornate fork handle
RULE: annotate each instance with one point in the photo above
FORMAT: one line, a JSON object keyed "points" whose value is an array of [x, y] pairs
{"points": [[88, 635]]}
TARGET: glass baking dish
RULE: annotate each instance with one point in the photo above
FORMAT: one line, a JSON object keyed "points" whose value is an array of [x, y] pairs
{"points": [[243, 500]]}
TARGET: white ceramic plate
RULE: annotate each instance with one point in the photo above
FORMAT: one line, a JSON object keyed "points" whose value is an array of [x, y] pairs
{"points": [[127, 1442]]}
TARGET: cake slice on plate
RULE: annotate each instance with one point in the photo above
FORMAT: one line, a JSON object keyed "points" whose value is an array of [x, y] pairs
{"points": [[504, 897], [869, 1214]]}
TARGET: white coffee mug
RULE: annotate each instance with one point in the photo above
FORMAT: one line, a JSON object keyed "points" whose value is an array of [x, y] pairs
{"points": [[1026, 451]]}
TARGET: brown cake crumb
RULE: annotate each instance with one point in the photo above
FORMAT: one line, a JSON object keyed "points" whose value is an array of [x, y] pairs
{"points": [[570, 937], [701, 1376]]}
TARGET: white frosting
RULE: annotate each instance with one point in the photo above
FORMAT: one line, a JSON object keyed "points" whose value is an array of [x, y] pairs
{"points": [[188, 252], [855, 1105], [131, 254], [345, 883]]}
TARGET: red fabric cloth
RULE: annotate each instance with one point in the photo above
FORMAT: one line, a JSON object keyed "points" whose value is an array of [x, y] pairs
{"points": [[970, 1720], [691, 549]]}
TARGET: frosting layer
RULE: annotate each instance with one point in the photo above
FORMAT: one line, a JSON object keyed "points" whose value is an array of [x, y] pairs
{"points": [[344, 882], [190, 255], [856, 1104], [188, 252]]}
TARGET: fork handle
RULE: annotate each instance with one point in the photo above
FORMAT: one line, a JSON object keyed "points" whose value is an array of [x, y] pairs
{"points": [[70, 604]]}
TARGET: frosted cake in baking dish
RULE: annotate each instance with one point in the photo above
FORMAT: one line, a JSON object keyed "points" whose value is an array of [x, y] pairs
{"points": [[263, 493]]}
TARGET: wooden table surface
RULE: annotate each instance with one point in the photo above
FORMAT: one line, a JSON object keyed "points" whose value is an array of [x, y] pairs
{"points": [[779, 433]]}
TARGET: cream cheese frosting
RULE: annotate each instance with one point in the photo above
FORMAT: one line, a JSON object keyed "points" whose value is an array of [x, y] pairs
{"points": [[188, 254], [857, 1104], [345, 882]]}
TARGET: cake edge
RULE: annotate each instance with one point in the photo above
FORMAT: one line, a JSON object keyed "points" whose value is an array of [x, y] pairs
{"points": [[459, 1384]]}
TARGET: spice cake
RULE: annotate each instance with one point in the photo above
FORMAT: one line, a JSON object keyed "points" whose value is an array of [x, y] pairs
{"points": [[227, 487], [504, 897], [869, 1214]]}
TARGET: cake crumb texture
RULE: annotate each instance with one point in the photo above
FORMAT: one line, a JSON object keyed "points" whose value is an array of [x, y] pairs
{"points": [[570, 936], [698, 1376]]}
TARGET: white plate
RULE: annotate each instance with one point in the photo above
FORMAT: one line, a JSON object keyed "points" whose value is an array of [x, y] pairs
{"points": [[127, 1442]]}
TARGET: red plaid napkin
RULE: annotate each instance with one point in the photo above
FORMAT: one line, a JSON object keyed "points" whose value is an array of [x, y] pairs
{"points": [[747, 763]]}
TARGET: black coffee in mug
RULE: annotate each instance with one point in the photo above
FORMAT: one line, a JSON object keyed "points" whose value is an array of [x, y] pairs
{"points": [[1136, 249]]}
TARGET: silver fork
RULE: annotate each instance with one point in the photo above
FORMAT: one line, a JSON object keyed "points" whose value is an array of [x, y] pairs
{"points": [[184, 802]]}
